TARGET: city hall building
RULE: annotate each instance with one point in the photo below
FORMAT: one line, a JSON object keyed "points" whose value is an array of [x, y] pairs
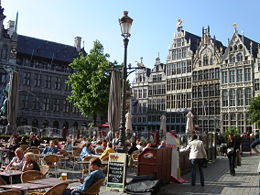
{"points": [[43, 70]]}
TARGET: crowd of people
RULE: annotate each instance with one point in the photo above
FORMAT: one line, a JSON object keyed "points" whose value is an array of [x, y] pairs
{"points": [[99, 150]]}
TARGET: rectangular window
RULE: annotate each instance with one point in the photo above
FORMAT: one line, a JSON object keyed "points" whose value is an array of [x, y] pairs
{"points": [[232, 97], [239, 75], [57, 83], [240, 97], [37, 81], [27, 78], [224, 98], [48, 82], [224, 77], [247, 96], [247, 74], [257, 85], [232, 76]]}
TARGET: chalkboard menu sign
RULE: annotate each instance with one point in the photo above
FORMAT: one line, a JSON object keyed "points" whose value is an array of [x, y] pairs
{"points": [[116, 171]]}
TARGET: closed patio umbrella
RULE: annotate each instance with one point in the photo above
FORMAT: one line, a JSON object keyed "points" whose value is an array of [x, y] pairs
{"points": [[189, 124], [12, 102], [114, 103], [163, 126]]}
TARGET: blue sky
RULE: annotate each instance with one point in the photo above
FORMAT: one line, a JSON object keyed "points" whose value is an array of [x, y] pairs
{"points": [[153, 27]]}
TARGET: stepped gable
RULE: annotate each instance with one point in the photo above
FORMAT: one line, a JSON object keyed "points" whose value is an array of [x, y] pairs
{"points": [[195, 40], [247, 43], [46, 49]]}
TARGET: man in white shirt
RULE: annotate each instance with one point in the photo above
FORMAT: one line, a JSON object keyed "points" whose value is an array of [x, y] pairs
{"points": [[197, 156]]}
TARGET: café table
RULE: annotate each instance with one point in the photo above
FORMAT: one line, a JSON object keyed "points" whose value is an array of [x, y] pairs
{"points": [[36, 184], [10, 174]]}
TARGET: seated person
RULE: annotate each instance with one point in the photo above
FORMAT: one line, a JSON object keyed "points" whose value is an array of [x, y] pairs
{"points": [[133, 148], [34, 141], [24, 141], [17, 161], [162, 145], [94, 176], [68, 145], [99, 148], [107, 151], [30, 162], [87, 150], [50, 149]]}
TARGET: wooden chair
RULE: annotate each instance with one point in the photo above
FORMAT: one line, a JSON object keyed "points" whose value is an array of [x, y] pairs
{"points": [[44, 169], [57, 190], [2, 181], [65, 157], [24, 146], [75, 156], [99, 151], [52, 161], [85, 169], [10, 192], [31, 175], [95, 188], [133, 161], [34, 150]]}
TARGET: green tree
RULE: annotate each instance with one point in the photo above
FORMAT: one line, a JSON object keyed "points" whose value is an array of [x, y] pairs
{"points": [[254, 110], [90, 82]]}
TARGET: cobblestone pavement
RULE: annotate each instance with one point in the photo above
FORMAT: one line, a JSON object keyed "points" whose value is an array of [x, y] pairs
{"points": [[217, 180]]}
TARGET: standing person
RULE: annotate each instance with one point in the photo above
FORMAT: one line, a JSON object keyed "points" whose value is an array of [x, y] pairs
{"points": [[115, 140], [231, 153], [197, 156]]}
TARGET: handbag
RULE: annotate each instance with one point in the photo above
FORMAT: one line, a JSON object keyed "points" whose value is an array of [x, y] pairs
{"points": [[230, 150], [204, 163]]}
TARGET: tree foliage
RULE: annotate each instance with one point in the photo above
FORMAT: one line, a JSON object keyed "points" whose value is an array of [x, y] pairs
{"points": [[254, 110], [90, 82]]}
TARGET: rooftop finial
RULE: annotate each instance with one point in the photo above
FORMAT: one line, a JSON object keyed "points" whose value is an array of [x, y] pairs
{"points": [[235, 27], [179, 24], [16, 21]]}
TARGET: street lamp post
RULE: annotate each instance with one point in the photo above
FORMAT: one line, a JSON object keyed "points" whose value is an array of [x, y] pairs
{"points": [[125, 23]]}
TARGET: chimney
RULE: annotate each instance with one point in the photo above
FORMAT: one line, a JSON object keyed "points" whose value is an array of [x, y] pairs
{"points": [[10, 28], [77, 43]]}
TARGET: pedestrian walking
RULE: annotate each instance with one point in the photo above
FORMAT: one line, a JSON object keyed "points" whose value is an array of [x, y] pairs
{"points": [[197, 156], [231, 153]]}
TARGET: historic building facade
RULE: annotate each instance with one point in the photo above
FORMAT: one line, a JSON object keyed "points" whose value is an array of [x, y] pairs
{"points": [[43, 70], [203, 76], [179, 78], [140, 100], [237, 82], [206, 82]]}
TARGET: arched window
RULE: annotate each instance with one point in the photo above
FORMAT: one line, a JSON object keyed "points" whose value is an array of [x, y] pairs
{"points": [[56, 124], [239, 57], [235, 47], [35, 123], [205, 60]]}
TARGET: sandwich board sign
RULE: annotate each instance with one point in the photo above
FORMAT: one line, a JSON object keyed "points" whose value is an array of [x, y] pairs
{"points": [[116, 171]]}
